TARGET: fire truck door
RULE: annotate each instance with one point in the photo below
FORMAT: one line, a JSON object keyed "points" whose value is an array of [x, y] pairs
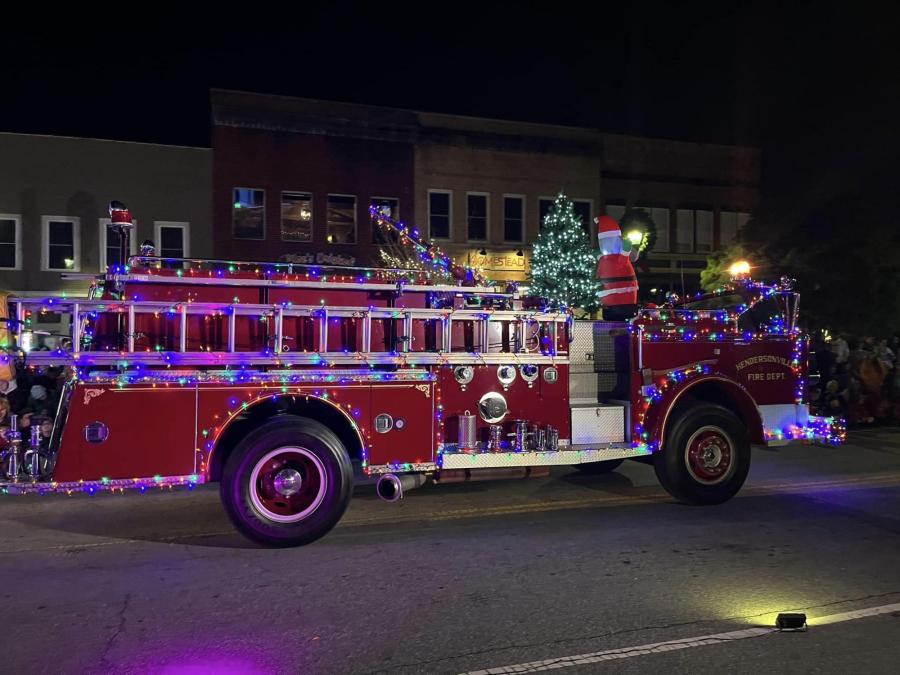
{"points": [[128, 432], [402, 423]]}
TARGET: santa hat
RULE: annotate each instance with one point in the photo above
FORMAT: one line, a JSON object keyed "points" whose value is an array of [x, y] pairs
{"points": [[119, 214], [607, 227]]}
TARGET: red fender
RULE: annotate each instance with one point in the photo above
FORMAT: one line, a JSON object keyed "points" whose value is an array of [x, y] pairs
{"points": [[651, 423]]}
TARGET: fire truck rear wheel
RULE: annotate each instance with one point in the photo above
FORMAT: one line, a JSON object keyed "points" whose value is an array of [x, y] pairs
{"points": [[706, 456], [287, 483], [595, 468]]}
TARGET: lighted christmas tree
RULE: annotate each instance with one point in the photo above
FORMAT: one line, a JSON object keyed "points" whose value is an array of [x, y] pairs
{"points": [[563, 266]]}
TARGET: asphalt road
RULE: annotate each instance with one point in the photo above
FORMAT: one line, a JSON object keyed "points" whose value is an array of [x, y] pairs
{"points": [[464, 578]]}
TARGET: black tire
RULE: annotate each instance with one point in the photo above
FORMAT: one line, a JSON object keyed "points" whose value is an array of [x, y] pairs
{"points": [[597, 468], [691, 466], [303, 482]]}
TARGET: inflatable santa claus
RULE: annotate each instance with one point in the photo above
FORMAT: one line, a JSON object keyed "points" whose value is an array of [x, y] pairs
{"points": [[618, 283]]}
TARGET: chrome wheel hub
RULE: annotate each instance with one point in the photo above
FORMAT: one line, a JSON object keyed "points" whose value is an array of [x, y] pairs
{"points": [[288, 482]]}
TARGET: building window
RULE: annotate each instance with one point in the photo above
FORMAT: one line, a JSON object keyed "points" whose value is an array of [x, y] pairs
{"points": [[660, 216], [340, 222], [477, 216], [10, 242], [730, 223], [248, 213], [584, 209], [109, 244], [684, 225], [704, 223], [61, 250], [172, 239], [615, 209], [513, 218], [384, 235], [296, 216], [727, 227], [544, 205], [439, 214]]}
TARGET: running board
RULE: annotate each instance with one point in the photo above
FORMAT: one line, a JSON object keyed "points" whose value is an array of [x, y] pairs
{"points": [[568, 455]]}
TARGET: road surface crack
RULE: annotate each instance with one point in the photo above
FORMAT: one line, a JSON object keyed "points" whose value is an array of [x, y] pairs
{"points": [[119, 630]]}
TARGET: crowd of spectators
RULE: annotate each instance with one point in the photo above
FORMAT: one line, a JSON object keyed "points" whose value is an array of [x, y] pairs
{"points": [[857, 379], [34, 398]]}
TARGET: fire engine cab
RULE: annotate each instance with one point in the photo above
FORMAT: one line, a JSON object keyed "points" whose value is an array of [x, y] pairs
{"points": [[284, 382]]}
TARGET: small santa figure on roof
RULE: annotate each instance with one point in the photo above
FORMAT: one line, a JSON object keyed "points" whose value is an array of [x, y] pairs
{"points": [[618, 283]]}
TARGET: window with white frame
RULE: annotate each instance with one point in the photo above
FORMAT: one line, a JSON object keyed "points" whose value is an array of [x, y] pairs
{"points": [[248, 213], [340, 219], [727, 227], [584, 209], [544, 205], [61, 243], [383, 235], [110, 248], [172, 239], [513, 218], [730, 223], [661, 217], [10, 241], [296, 216], [704, 223], [439, 213], [684, 230], [477, 216]]}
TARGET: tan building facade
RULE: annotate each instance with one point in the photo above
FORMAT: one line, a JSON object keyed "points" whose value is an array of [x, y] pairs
{"points": [[497, 178], [480, 183], [54, 194]]}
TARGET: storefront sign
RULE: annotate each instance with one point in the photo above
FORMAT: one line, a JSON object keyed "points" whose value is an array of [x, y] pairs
{"points": [[498, 264], [336, 259]]}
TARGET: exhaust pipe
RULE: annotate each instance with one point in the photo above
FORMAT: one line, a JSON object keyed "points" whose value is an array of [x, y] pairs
{"points": [[390, 487]]}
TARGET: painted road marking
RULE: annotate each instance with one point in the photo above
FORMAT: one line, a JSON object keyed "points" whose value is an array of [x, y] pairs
{"points": [[391, 517], [673, 645]]}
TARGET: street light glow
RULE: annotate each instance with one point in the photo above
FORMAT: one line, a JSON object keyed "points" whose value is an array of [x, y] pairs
{"points": [[739, 268], [635, 237]]}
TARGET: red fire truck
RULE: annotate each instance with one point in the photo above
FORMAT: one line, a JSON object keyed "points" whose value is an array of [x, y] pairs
{"points": [[284, 382]]}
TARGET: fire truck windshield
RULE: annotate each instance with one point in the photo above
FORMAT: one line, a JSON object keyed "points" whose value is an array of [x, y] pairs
{"points": [[766, 315], [715, 302]]}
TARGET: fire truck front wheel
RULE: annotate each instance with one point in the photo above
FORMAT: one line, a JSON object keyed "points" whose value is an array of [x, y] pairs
{"points": [[706, 456], [287, 483]]}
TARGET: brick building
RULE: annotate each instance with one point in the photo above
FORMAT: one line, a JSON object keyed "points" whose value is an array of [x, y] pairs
{"points": [[293, 179]]}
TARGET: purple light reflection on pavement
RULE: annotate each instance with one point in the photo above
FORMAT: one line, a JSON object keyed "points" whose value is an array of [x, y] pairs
{"points": [[222, 666]]}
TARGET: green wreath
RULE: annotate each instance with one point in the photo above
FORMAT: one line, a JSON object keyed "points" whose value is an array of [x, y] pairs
{"points": [[639, 219]]}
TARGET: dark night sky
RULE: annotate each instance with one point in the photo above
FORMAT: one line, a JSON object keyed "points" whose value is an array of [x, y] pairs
{"points": [[815, 85]]}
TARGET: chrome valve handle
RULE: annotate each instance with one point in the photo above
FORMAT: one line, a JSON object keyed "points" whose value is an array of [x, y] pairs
{"points": [[34, 463], [13, 443]]}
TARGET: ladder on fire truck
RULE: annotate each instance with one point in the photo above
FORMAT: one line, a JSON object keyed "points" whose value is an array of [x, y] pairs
{"points": [[533, 336]]}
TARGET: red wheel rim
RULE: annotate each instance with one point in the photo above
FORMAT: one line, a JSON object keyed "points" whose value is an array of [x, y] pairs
{"points": [[709, 456], [288, 484]]}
